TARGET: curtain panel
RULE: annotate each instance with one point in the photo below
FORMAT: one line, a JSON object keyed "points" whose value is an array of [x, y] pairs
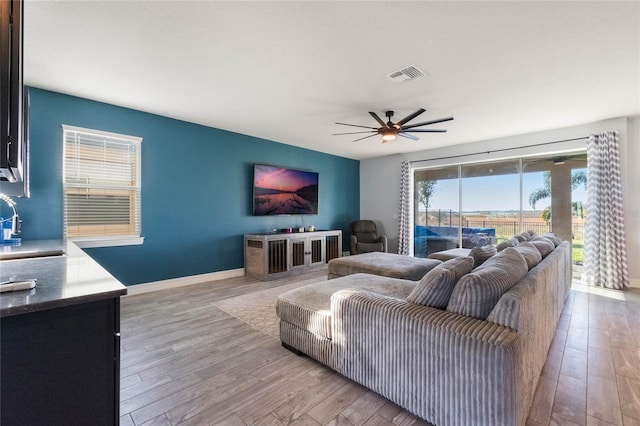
{"points": [[404, 216], [605, 257]]}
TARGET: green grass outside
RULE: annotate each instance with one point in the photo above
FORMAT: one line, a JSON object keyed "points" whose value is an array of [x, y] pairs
{"points": [[577, 252]]}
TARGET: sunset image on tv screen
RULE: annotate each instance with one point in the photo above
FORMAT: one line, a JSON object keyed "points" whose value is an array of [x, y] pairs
{"points": [[278, 190]]}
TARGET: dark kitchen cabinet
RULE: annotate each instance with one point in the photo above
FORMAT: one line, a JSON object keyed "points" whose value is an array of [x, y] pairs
{"points": [[60, 366]]}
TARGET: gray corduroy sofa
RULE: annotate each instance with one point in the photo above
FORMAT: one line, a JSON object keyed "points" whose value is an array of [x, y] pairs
{"points": [[446, 367]]}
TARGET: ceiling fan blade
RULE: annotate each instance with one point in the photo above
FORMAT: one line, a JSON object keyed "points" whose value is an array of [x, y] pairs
{"points": [[425, 131], [408, 136], [378, 119], [357, 125], [411, 116], [426, 123], [355, 133], [362, 138]]}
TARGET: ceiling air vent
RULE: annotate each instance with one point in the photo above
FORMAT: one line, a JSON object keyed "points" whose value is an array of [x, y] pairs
{"points": [[408, 73]]}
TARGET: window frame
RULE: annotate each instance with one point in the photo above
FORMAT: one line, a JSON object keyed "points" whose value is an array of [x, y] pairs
{"points": [[94, 241]]}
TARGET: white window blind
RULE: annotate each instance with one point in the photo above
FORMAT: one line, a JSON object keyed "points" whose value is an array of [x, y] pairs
{"points": [[101, 176]]}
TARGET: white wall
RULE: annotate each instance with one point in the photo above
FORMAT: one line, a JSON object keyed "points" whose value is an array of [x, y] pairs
{"points": [[630, 154], [380, 177]]}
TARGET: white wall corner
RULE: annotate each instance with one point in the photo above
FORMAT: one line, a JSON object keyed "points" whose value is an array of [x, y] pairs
{"points": [[183, 281], [634, 282]]}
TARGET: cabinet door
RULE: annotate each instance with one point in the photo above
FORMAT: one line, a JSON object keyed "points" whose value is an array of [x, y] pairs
{"points": [[61, 366], [316, 250], [277, 256], [333, 247], [298, 250]]}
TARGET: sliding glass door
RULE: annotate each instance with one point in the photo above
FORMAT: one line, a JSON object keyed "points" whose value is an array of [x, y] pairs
{"points": [[472, 205], [490, 201], [436, 210], [536, 193]]}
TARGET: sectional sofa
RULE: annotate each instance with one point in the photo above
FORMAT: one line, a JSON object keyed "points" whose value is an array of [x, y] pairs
{"points": [[461, 346]]}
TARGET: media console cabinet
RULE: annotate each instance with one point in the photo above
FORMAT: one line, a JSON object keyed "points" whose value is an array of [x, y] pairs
{"points": [[274, 255]]}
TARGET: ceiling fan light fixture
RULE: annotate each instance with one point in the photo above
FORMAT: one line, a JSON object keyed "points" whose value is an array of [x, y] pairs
{"points": [[388, 135]]}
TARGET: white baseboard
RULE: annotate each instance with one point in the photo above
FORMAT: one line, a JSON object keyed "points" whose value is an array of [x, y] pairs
{"points": [[183, 281], [635, 283]]}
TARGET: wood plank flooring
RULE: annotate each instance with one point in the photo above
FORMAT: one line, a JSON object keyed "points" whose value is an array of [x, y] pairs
{"points": [[186, 362]]}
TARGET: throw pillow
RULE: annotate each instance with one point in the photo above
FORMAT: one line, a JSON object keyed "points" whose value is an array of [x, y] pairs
{"points": [[434, 289], [543, 245], [481, 254], [477, 293], [520, 238], [511, 242], [530, 253]]}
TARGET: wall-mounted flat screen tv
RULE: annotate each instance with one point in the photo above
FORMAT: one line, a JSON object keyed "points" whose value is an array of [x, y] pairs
{"points": [[282, 191]]}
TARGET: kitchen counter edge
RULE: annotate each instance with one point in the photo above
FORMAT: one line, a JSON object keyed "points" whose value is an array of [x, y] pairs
{"points": [[71, 279]]}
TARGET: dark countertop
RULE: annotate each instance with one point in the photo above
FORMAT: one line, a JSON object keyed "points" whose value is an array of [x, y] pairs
{"points": [[62, 280]]}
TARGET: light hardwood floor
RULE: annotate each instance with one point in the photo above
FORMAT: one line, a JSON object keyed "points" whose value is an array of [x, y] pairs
{"points": [[186, 362]]}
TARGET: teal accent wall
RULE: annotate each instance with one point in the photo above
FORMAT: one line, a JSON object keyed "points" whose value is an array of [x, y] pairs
{"points": [[196, 188]]}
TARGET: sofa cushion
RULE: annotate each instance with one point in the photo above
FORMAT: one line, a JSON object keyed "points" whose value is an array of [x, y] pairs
{"points": [[481, 254], [543, 245], [551, 236], [511, 242], [530, 253], [435, 288], [526, 235], [520, 237], [477, 292], [309, 307]]}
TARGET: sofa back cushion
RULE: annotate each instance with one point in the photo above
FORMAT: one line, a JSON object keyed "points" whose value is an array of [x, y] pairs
{"points": [[434, 289], [511, 242], [481, 254], [520, 237], [477, 292], [530, 253], [544, 245], [551, 236], [525, 235]]}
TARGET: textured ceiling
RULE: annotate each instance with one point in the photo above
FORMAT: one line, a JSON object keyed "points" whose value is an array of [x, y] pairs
{"points": [[287, 71]]}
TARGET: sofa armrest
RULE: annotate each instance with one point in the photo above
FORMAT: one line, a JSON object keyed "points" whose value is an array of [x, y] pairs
{"points": [[442, 366]]}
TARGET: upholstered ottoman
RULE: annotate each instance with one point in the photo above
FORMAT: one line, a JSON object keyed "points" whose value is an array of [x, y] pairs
{"points": [[445, 255], [479, 254], [383, 264]]}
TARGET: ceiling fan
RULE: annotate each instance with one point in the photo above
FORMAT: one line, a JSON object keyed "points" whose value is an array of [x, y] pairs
{"points": [[390, 130]]}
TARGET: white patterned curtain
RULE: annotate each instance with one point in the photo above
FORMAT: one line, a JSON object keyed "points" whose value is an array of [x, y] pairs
{"points": [[605, 256], [404, 232]]}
